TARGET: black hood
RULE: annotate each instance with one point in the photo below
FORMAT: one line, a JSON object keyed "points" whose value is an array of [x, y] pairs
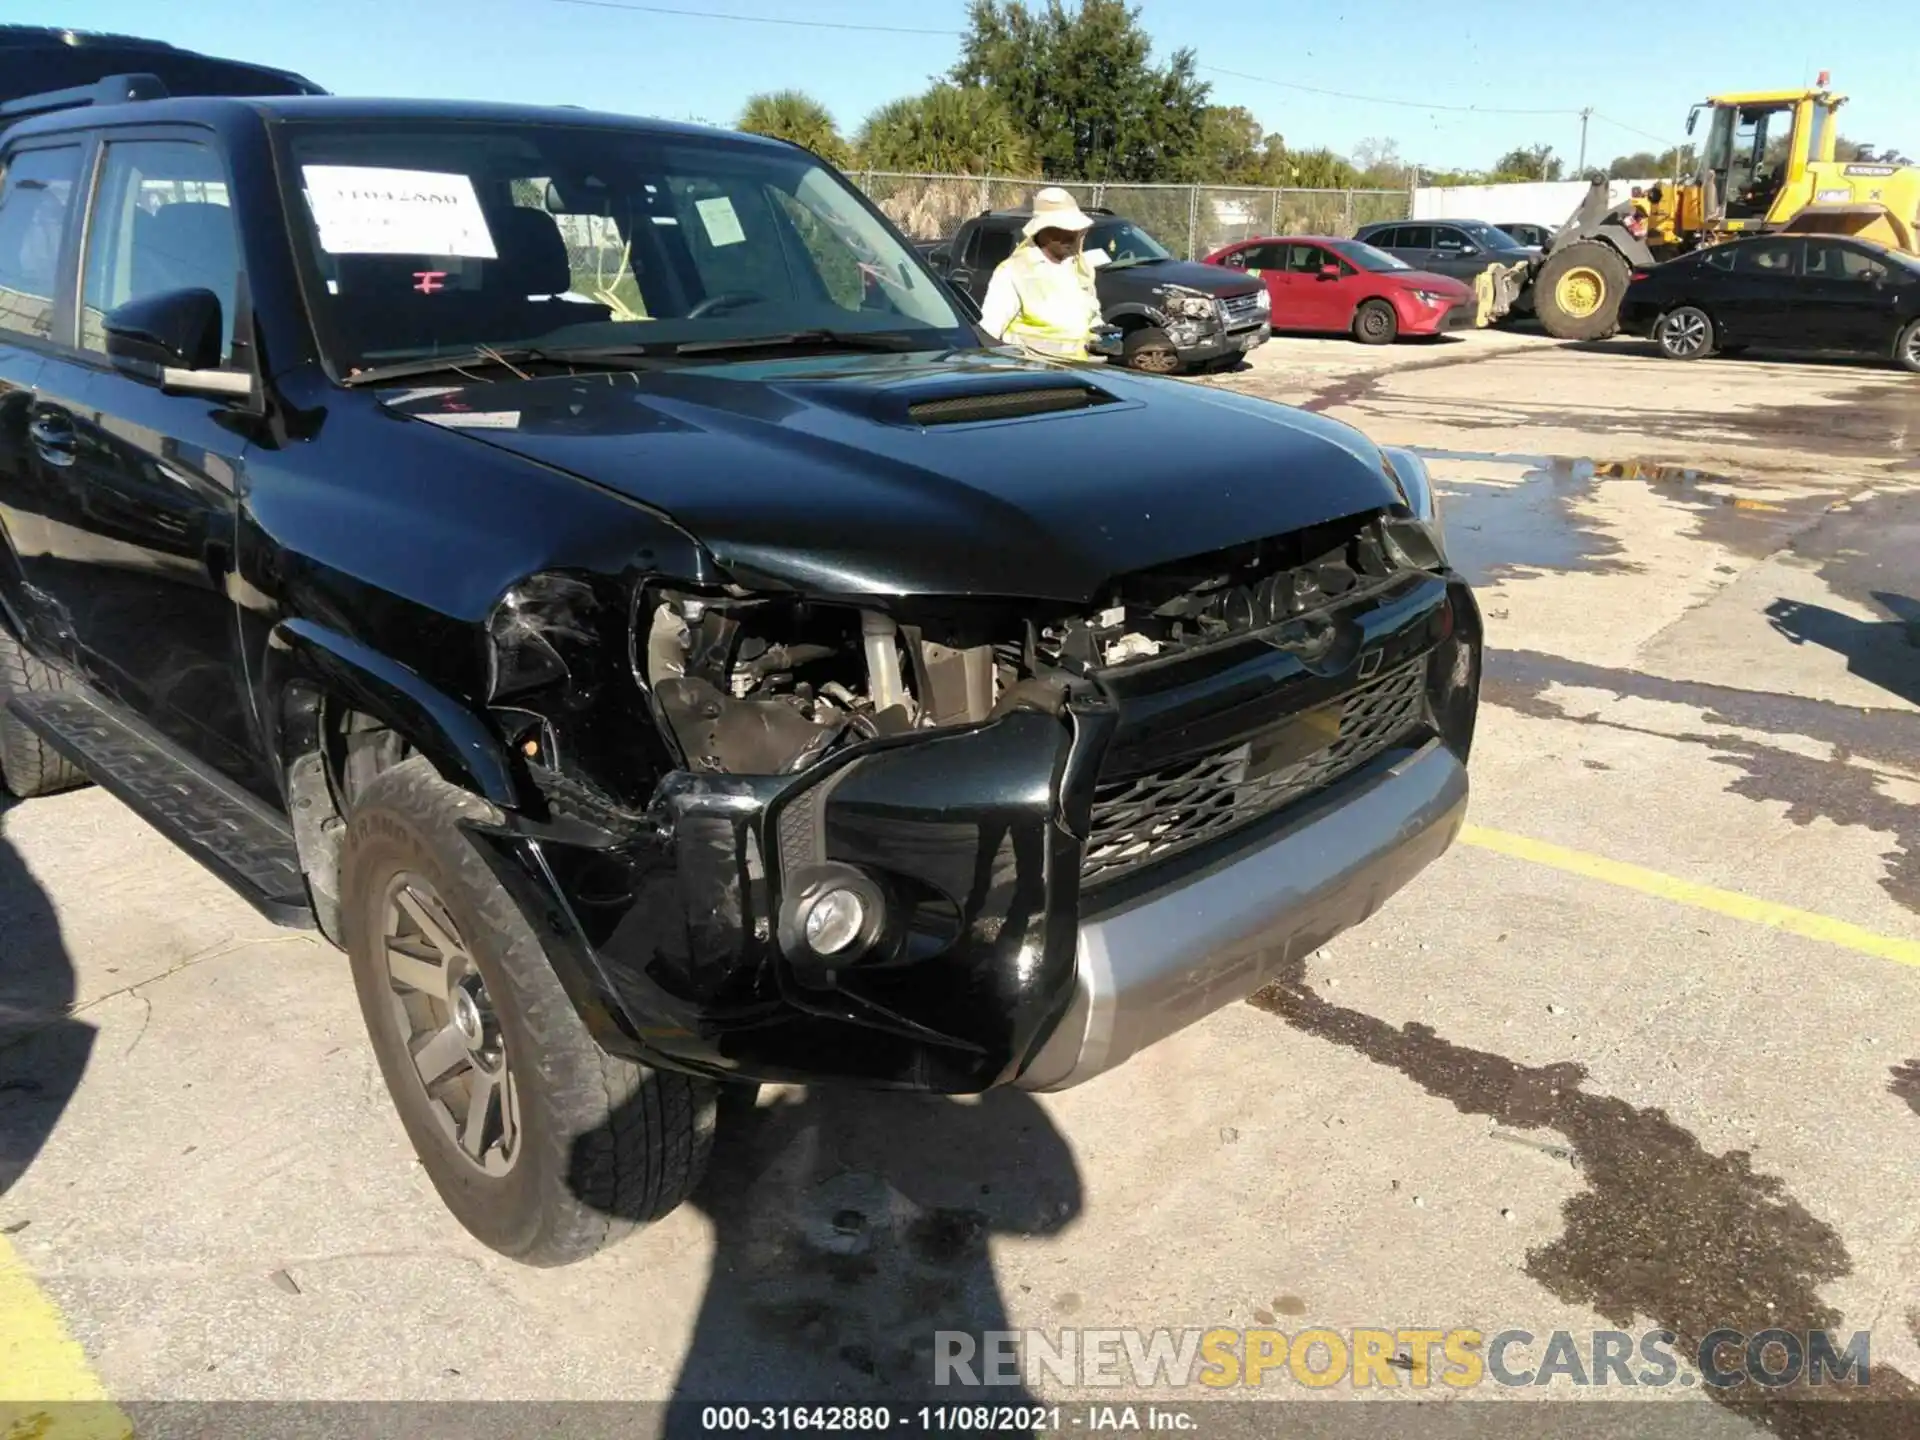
{"points": [[832, 475], [1145, 276]]}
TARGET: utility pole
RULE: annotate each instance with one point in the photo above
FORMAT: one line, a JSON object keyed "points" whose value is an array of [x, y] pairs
{"points": [[1581, 168]]}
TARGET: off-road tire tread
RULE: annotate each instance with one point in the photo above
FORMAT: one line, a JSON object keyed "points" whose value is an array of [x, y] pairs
{"points": [[28, 765], [1605, 321], [628, 1142]]}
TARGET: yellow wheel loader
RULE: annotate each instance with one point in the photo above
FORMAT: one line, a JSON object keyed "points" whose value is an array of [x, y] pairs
{"points": [[1768, 164]]}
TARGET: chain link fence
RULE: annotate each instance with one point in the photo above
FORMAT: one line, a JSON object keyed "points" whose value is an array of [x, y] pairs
{"points": [[1191, 220]]}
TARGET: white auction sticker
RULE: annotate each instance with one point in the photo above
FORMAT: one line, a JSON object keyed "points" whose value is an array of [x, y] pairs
{"points": [[368, 210], [723, 225]]}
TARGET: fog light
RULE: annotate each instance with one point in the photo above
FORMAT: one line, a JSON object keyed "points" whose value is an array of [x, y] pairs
{"points": [[834, 921]]}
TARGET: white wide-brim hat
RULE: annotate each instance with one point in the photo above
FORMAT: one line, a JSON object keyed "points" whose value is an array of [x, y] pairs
{"points": [[1055, 209]]}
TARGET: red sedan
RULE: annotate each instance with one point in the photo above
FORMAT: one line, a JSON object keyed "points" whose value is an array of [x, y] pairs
{"points": [[1321, 283]]}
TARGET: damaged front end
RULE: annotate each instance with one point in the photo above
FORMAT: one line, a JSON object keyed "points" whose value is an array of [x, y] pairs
{"points": [[788, 838]]}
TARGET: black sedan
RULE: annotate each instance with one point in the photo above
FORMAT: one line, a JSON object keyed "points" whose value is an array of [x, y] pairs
{"points": [[1781, 292]]}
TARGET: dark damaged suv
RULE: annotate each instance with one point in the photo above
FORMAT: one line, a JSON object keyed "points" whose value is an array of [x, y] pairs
{"points": [[592, 570]]}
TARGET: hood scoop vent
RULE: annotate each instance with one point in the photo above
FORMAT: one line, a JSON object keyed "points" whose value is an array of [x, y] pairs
{"points": [[1005, 404]]}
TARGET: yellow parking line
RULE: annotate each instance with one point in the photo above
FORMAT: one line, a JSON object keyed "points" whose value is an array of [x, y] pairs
{"points": [[48, 1391], [1823, 928]]}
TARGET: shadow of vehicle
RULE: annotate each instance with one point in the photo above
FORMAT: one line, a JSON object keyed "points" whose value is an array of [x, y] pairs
{"points": [[1837, 360], [43, 1050], [850, 1228], [1883, 652], [1906, 1084], [1662, 1232]]}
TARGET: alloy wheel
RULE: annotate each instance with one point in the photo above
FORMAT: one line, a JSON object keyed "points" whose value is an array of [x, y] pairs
{"points": [[1683, 333], [444, 1014]]}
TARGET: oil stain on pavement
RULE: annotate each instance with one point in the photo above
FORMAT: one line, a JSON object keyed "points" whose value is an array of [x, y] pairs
{"points": [[1665, 1233]]}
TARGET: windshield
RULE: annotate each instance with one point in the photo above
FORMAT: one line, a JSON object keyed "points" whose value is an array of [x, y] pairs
{"points": [[1126, 243], [428, 238], [1359, 253]]}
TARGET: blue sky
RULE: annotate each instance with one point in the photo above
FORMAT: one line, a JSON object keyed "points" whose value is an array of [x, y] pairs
{"points": [[1629, 62]]}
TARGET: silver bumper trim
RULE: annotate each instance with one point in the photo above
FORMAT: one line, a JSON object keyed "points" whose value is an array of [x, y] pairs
{"points": [[1175, 956]]}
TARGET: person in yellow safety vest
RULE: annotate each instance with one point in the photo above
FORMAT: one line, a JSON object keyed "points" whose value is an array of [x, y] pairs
{"points": [[1041, 297]]}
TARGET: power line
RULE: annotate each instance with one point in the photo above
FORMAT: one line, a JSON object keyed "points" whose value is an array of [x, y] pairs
{"points": [[754, 19], [1634, 130], [1382, 99]]}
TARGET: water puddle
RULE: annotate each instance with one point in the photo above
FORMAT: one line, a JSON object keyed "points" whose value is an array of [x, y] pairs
{"points": [[1498, 528]]}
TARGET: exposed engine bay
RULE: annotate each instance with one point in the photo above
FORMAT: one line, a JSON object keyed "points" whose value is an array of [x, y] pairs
{"points": [[768, 686]]}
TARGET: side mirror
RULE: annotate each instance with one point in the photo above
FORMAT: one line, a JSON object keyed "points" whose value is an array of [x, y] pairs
{"points": [[1329, 271], [177, 333]]}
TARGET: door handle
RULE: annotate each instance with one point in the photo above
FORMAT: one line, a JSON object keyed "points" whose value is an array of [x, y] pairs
{"points": [[53, 437]]}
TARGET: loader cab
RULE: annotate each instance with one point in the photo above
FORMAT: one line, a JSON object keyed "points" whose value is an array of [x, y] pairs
{"points": [[1758, 148]]}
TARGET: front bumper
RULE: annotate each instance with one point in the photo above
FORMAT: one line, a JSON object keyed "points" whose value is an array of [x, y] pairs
{"points": [[1197, 346], [1014, 958], [1172, 958]]}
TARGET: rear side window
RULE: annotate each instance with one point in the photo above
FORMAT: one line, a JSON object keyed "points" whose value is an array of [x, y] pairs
{"points": [[163, 221], [1829, 260], [36, 197], [1414, 237], [1384, 239], [1720, 258], [990, 247], [1259, 257], [1765, 257]]}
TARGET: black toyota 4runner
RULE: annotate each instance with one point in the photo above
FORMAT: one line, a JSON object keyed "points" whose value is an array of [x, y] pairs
{"points": [[591, 569], [1171, 314]]}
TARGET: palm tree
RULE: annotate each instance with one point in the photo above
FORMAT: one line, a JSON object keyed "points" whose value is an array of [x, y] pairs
{"points": [[795, 115], [949, 130]]}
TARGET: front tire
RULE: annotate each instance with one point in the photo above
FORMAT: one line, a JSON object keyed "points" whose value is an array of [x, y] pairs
{"points": [[1577, 293], [1149, 349], [1375, 323], [1684, 333], [28, 765], [1906, 350], [543, 1146]]}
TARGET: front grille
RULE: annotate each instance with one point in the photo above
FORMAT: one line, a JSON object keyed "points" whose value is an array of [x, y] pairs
{"points": [[1148, 818], [1241, 309]]}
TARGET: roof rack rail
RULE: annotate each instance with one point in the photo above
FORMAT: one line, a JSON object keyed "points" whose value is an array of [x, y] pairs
{"points": [[114, 90]]}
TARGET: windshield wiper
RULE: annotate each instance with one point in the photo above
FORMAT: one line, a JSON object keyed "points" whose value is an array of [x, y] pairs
{"points": [[880, 341], [624, 356]]}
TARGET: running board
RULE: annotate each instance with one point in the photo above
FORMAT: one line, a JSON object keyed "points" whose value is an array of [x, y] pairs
{"points": [[216, 822]]}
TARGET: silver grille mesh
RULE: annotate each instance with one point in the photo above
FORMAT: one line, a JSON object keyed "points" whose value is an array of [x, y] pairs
{"points": [[1150, 817]]}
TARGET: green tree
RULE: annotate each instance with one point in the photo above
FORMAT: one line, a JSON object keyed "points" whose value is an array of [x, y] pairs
{"points": [[1317, 170], [948, 130], [795, 115], [1537, 162], [1641, 165], [1233, 148], [1379, 163], [1081, 84]]}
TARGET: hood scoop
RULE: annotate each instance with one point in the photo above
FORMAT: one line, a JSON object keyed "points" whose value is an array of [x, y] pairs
{"points": [[1005, 404]]}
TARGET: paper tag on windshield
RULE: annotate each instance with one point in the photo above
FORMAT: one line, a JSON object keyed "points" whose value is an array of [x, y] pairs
{"points": [[368, 210], [723, 226]]}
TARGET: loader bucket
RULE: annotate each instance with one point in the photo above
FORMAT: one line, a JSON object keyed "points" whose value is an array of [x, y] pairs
{"points": [[1494, 291]]}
